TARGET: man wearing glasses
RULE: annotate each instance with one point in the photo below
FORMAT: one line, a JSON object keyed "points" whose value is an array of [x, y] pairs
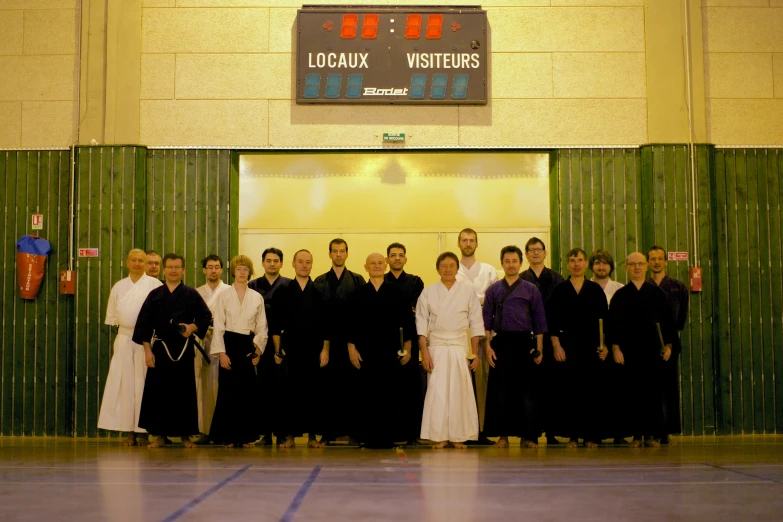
{"points": [[545, 280], [169, 317], [641, 333]]}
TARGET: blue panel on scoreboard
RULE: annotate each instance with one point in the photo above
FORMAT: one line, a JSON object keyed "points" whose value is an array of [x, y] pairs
{"points": [[312, 86], [438, 89], [354, 88], [418, 86], [333, 84], [392, 55], [459, 87]]}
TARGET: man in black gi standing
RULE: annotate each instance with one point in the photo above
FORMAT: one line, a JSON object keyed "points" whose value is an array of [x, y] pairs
{"points": [[267, 285], [337, 286], [412, 386], [678, 296], [169, 317]]}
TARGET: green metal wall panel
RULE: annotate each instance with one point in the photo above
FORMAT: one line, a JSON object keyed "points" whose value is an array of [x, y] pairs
{"points": [[669, 210], [36, 348], [626, 200], [55, 350], [750, 330], [597, 203], [110, 206], [192, 197]]}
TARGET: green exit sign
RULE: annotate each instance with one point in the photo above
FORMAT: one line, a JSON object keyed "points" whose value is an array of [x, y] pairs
{"points": [[393, 137]]}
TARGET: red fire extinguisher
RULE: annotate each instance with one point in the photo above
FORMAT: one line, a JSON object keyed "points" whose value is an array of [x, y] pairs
{"points": [[696, 279], [31, 252]]}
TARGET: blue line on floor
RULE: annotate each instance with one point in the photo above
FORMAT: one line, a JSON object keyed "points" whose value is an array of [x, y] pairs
{"points": [[208, 493], [766, 479], [290, 513]]}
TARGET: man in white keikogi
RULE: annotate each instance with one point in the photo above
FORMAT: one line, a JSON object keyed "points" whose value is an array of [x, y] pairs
{"points": [[444, 312], [125, 383], [207, 374]]}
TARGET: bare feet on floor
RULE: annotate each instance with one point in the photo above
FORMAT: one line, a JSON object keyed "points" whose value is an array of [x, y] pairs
{"points": [[459, 445], [142, 439], [130, 440], [289, 443], [527, 443], [312, 443], [440, 445], [635, 443], [157, 442], [591, 444], [186, 443], [573, 443], [652, 443], [501, 443]]}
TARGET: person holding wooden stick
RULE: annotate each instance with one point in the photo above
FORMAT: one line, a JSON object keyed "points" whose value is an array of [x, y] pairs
{"points": [[576, 314], [678, 295], [634, 313]]}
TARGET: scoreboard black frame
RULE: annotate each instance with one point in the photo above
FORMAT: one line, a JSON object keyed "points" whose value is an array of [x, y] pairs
{"points": [[413, 55]]}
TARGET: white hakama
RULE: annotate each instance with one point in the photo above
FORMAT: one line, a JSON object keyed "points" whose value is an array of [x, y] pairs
{"points": [[125, 382], [207, 374], [444, 316]]}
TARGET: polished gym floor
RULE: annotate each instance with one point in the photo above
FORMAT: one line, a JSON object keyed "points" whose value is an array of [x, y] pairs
{"points": [[701, 478]]}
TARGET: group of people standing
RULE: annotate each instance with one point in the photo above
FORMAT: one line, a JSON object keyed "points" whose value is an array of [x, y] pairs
{"points": [[385, 360]]}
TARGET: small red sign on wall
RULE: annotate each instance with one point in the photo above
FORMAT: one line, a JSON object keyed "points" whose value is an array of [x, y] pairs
{"points": [[88, 252], [36, 222], [678, 256]]}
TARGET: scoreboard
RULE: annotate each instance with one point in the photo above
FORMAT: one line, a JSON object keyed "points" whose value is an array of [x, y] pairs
{"points": [[425, 55]]}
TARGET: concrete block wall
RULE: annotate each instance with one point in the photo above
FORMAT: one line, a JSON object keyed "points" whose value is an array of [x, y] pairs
{"points": [[38, 74], [743, 44]]}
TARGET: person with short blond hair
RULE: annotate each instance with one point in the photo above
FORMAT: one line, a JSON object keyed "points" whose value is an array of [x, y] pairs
{"points": [[239, 339], [125, 383]]}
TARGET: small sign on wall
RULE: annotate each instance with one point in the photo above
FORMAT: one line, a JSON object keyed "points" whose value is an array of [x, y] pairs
{"points": [[678, 256], [88, 252], [37, 222]]}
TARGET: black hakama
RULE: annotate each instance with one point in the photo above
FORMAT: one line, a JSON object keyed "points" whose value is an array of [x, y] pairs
{"points": [[413, 379], [513, 388], [169, 404], [678, 296], [267, 369], [236, 410], [377, 316], [581, 394], [339, 377], [300, 316], [633, 314]]}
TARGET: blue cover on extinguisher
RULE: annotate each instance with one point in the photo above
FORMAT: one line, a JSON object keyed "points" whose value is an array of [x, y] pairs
{"points": [[33, 245]]}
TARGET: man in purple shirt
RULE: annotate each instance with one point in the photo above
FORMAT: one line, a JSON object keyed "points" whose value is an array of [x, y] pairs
{"points": [[515, 324]]}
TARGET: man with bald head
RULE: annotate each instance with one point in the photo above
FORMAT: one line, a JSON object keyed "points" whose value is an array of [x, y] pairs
{"points": [[641, 333], [380, 331], [125, 383]]}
